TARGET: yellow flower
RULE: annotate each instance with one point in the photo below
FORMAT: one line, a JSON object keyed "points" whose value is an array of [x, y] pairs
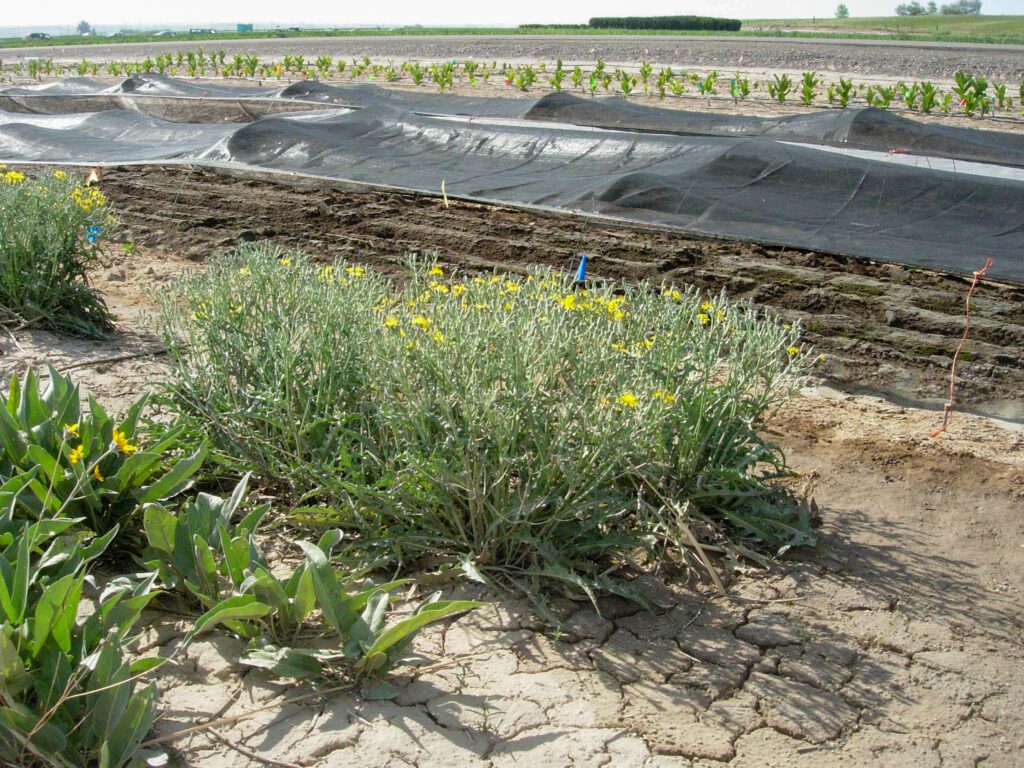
{"points": [[512, 287], [703, 319], [618, 346], [791, 351], [435, 270], [438, 337], [245, 272], [719, 315], [646, 343], [356, 271], [286, 262], [122, 443], [60, 175], [604, 402], [672, 294], [71, 429], [568, 302], [618, 314], [390, 322], [438, 287], [458, 289], [76, 455], [707, 306], [627, 400], [96, 473], [13, 177], [821, 358], [421, 321], [326, 274], [88, 198], [664, 395]]}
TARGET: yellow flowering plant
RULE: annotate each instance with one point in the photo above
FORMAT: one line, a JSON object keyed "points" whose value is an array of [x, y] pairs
{"points": [[89, 465], [514, 426], [51, 232]]}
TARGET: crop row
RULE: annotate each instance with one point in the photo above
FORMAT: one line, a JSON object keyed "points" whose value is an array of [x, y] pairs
{"points": [[969, 94]]}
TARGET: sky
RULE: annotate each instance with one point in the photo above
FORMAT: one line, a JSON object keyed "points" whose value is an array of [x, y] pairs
{"points": [[132, 13]]}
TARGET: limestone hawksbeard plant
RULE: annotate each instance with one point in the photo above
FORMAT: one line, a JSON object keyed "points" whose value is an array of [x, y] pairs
{"points": [[515, 426]]}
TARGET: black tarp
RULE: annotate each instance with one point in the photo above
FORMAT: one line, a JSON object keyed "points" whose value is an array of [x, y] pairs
{"points": [[751, 188], [207, 101]]}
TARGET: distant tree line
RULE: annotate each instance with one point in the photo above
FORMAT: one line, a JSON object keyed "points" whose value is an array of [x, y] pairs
{"points": [[707, 23], [959, 8]]}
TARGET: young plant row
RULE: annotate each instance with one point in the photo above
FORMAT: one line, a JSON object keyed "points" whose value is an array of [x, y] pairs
{"points": [[971, 94]]}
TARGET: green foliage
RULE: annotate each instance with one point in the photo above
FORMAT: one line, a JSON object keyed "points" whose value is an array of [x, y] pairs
{"points": [[929, 97], [85, 461], [779, 87], [202, 552], [50, 236], [443, 75], [739, 87], [844, 91], [706, 23], [910, 94], [706, 85], [626, 81], [880, 96], [645, 74], [577, 76], [416, 72], [506, 423], [525, 76], [67, 693], [557, 77], [807, 89]]}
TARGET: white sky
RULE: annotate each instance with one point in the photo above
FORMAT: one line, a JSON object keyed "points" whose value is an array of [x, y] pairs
{"points": [[395, 12]]}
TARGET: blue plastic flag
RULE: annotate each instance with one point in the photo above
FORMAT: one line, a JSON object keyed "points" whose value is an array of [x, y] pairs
{"points": [[581, 272], [92, 233]]}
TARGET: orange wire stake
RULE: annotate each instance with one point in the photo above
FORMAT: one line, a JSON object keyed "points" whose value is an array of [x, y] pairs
{"points": [[948, 416]]}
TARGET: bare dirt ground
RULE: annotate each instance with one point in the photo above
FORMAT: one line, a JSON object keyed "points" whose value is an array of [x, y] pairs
{"points": [[876, 57], [897, 642]]}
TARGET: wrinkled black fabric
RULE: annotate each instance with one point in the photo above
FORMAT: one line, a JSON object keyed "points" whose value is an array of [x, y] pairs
{"points": [[750, 188], [865, 128]]}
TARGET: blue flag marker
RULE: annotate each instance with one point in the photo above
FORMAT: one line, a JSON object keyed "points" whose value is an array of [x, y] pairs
{"points": [[581, 272]]}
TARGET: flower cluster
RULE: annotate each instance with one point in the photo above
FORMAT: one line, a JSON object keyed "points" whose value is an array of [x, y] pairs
{"points": [[88, 198]]}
